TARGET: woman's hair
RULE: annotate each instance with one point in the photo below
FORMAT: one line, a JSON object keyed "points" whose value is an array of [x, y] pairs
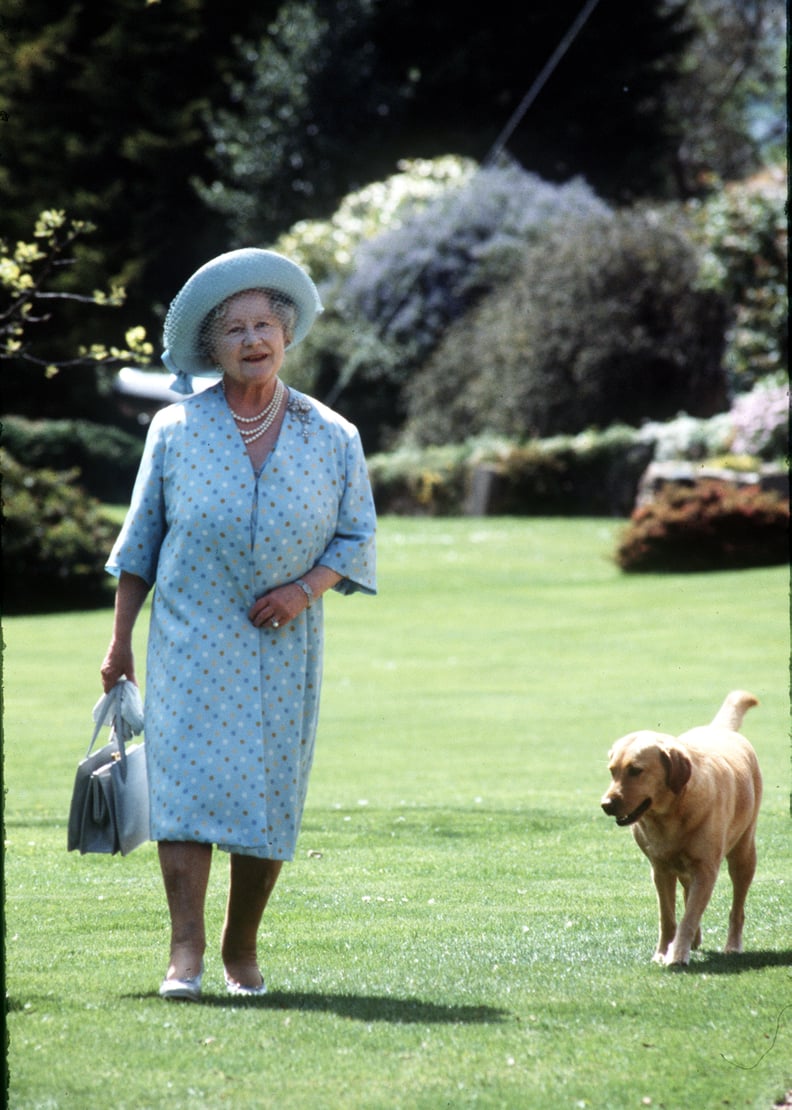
{"points": [[283, 308]]}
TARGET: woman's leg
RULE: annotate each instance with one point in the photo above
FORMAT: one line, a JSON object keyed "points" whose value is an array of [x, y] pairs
{"points": [[185, 871], [252, 882]]}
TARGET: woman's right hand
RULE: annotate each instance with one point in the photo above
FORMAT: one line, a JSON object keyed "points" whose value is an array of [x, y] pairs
{"points": [[118, 663]]}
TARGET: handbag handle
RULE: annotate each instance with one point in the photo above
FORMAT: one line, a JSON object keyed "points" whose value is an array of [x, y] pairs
{"points": [[111, 698]]}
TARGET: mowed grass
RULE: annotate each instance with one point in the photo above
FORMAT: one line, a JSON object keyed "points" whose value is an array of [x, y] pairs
{"points": [[461, 926]]}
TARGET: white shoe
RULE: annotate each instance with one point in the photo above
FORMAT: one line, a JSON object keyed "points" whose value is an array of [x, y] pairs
{"points": [[240, 989], [186, 990]]}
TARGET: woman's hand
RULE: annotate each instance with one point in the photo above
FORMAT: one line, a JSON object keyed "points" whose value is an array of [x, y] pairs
{"points": [[118, 663], [284, 603], [278, 607]]}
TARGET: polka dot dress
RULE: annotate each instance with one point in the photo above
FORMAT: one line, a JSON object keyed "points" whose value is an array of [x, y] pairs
{"points": [[231, 710]]}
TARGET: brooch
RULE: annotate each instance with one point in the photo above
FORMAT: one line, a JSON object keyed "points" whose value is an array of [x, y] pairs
{"points": [[302, 410]]}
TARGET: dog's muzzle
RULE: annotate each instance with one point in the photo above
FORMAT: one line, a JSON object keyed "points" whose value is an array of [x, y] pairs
{"points": [[610, 807]]}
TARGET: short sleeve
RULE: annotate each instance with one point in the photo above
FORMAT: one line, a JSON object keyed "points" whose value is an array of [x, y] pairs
{"points": [[352, 551], [138, 545]]}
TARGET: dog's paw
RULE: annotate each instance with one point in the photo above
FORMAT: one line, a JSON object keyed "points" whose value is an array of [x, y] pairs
{"points": [[676, 957]]}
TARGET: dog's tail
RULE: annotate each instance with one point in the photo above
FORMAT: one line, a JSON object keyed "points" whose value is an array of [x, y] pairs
{"points": [[731, 713]]}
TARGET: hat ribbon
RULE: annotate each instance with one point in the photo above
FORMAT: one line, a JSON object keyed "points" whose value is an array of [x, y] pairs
{"points": [[183, 381]]}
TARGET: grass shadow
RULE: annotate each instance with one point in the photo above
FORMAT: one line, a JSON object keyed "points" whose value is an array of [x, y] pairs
{"points": [[721, 963], [366, 1008]]}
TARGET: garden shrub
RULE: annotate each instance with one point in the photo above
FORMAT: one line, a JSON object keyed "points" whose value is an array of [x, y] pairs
{"points": [[404, 263], [603, 323], [761, 421], [690, 437], [389, 309], [756, 425], [55, 541], [338, 352], [708, 526], [327, 247], [431, 482], [590, 475], [742, 230], [105, 457], [342, 345], [413, 281]]}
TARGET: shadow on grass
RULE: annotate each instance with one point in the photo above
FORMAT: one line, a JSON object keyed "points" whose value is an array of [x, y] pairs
{"points": [[719, 963], [368, 1008]]}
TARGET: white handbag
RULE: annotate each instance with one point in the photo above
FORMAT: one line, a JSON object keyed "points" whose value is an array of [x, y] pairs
{"points": [[110, 801]]}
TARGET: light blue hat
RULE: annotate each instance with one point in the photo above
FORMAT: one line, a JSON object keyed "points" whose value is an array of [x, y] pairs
{"points": [[215, 282]]}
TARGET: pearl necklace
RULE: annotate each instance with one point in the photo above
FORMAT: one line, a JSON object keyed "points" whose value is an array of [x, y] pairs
{"points": [[262, 420]]}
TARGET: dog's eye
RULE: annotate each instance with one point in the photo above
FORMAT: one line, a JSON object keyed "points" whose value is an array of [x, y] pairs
{"points": [[634, 771]]}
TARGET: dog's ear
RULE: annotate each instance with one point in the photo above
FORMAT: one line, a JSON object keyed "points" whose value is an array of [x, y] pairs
{"points": [[678, 768]]}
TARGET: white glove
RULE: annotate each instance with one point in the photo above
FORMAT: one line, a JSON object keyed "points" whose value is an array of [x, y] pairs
{"points": [[124, 704]]}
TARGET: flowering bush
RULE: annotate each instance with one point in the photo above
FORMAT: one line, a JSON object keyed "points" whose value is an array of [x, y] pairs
{"points": [[760, 421], [413, 281], [452, 235], [689, 437], [708, 526], [327, 247], [757, 425], [742, 229]]}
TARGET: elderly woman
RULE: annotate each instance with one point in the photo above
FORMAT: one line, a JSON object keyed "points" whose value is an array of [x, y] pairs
{"points": [[251, 501]]}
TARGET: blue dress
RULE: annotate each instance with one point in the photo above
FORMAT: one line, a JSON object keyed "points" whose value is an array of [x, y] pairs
{"points": [[231, 710]]}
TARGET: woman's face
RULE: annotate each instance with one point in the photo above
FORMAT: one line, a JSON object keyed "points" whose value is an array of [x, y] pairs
{"points": [[249, 344]]}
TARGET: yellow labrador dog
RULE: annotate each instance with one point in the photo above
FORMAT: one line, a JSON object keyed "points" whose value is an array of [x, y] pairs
{"points": [[691, 801]]}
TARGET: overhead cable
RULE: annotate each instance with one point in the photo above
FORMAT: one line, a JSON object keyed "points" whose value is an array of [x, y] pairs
{"points": [[539, 83]]}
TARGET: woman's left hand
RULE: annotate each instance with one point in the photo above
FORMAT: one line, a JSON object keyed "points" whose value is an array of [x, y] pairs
{"points": [[278, 607]]}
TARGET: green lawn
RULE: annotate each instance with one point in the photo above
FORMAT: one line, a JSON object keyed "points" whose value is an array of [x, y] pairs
{"points": [[462, 926]]}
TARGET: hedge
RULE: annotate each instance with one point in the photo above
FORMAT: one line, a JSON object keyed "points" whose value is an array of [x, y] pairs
{"points": [[105, 457], [55, 541]]}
